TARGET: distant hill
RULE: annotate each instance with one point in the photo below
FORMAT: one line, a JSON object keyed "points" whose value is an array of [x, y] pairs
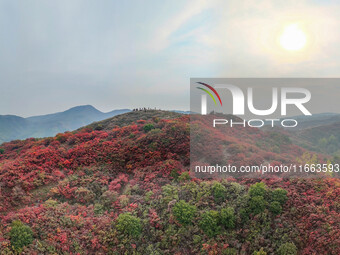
{"points": [[316, 120], [321, 138], [319, 133], [183, 112], [11, 127], [14, 127]]}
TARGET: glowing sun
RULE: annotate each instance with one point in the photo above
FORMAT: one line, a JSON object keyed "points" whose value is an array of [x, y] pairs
{"points": [[293, 38]]}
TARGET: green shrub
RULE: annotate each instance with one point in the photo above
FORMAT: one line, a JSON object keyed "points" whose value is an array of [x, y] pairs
{"points": [[108, 198], [169, 193], [136, 190], [152, 250], [98, 209], [287, 249], [185, 176], [148, 196], [244, 215], [229, 251], [209, 223], [148, 127], [279, 195], [84, 195], [124, 200], [219, 192], [260, 252], [228, 217], [51, 203], [257, 204], [61, 138], [257, 189], [20, 235], [197, 239], [275, 208], [184, 212], [129, 225], [174, 174], [2, 151], [99, 127], [234, 190]]}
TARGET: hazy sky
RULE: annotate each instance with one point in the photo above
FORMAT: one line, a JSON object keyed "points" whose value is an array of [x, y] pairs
{"points": [[123, 54]]}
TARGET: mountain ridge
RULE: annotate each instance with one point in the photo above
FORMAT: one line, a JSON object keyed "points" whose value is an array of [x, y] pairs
{"points": [[14, 127]]}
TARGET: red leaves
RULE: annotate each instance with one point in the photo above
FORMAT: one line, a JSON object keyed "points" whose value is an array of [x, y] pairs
{"points": [[66, 163], [154, 219], [59, 174], [117, 183], [66, 191], [95, 243], [113, 164]]}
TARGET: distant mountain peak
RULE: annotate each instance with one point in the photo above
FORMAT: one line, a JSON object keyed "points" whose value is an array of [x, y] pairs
{"points": [[15, 127], [83, 108]]}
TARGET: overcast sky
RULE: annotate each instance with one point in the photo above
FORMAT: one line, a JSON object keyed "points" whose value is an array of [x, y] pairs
{"points": [[123, 54]]}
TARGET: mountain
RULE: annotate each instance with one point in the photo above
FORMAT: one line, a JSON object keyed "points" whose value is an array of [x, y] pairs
{"points": [[123, 186], [183, 112], [14, 127]]}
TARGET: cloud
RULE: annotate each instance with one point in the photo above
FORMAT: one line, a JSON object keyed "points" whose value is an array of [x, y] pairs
{"points": [[113, 54], [246, 37], [162, 36]]}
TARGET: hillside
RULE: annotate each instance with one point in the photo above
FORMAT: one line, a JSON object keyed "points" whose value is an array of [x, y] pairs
{"points": [[322, 138], [321, 119], [131, 117], [122, 186], [319, 133], [14, 127]]}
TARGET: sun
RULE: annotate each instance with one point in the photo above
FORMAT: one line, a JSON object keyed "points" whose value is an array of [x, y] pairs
{"points": [[293, 38]]}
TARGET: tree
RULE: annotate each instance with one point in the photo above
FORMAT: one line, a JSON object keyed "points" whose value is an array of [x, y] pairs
{"points": [[228, 217], [148, 127], [257, 189], [209, 223], [184, 212], [308, 158], [129, 225], [279, 195], [275, 208], [219, 192], [20, 235], [257, 205], [287, 249]]}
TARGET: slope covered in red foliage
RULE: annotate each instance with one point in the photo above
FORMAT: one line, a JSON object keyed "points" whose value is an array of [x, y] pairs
{"points": [[116, 189]]}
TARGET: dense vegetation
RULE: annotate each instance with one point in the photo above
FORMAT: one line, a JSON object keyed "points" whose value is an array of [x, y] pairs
{"points": [[125, 189], [324, 139]]}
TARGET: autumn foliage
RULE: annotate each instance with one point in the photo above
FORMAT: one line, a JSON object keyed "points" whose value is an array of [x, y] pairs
{"points": [[126, 189]]}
